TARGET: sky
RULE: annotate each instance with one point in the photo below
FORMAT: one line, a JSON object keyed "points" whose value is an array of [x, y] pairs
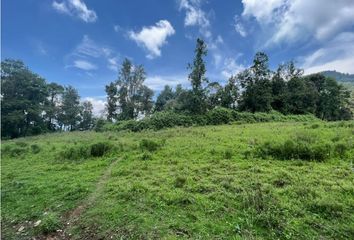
{"points": [[83, 42]]}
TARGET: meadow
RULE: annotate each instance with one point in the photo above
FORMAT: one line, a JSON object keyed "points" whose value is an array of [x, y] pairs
{"points": [[274, 180]]}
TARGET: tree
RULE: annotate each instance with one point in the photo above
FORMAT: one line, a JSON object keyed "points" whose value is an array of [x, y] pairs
{"points": [[197, 78], [128, 96], [24, 95], [146, 102], [111, 105], [257, 93], [55, 92], [229, 94], [301, 96], [165, 95], [70, 109], [86, 116], [332, 97]]}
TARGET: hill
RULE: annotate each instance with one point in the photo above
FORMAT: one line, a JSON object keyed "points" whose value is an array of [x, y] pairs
{"points": [[340, 77], [285, 180]]}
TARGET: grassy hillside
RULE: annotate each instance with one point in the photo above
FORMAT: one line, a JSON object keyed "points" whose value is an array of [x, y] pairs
{"points": [[286, 180]]}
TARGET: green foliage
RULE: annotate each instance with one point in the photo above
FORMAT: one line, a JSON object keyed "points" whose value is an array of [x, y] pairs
{"points": [[130, 92], [100, 149], [219, 116], [302, 146], [35, 148], [50, 223], [76, 152], [149, 145]]}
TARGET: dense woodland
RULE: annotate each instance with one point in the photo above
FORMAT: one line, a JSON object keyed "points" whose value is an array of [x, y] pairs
{"points": [[30, 105]]}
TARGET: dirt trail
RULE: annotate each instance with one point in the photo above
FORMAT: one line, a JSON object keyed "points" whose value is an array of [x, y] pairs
{"points": [[75, 214]]}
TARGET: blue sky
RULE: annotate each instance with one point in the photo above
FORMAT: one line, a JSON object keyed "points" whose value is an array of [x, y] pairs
{"points": [[83, 42]]}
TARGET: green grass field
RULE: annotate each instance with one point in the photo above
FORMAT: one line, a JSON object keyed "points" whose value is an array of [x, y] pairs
{"points": [[216, 182]]}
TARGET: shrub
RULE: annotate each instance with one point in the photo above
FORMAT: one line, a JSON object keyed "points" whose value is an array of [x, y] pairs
{"points": [[180, 181], [35, 148], [341, 149], [14, 150], [301, 147], [149, 145], [99, 149], [228, 154], [76, 152], [99, 125], [219, 116]]}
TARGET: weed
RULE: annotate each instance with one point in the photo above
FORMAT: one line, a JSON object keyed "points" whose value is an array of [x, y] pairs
{"points": [[50, 223]]}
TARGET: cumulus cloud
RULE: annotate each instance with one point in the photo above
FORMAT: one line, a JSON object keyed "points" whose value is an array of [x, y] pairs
{"points": [[195, 16], [84, 65], [299, 20], [75, 8], [152, 38], [98, 104], [337, 54]]}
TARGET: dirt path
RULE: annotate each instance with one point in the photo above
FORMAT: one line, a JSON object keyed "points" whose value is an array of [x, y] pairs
{"points": [[75, 214]]}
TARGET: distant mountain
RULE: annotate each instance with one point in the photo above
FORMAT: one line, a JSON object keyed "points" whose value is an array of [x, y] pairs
{"points": [[340, 77]]}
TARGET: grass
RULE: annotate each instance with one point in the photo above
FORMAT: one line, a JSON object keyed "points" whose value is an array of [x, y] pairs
{"points": [[184, 183]]}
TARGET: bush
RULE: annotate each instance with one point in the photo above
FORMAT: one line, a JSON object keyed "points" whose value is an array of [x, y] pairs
{"points": [[35, 148], [219, 116], [76, 152], [14, 150], [180, 181], [149, 145], [301, 147], [99, 125], [99, 149], [228, 154]]}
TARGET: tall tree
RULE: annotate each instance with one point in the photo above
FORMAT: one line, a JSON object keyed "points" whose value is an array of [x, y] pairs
{"points": [[198, 79], [257, 94], [23, 97], [146, 102], [111, 90], [165, 95], [86, 116], [52, 110], [70, 109], [132, 96]]}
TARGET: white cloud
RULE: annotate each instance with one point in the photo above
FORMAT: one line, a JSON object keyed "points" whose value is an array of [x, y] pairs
{"points": [[90, 50], [231, 67], [75, 8], [158, 82], [239, 27], [84, 65], [98, 105], [195, 16], [337, 54], [299, 20], [152, 38]]}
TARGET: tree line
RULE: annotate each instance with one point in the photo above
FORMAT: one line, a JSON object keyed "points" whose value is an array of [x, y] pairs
{"points": [[30, 105], [256, 89]]}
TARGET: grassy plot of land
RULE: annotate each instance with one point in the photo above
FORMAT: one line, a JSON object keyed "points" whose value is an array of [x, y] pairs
{"points": [[253, 181]]}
